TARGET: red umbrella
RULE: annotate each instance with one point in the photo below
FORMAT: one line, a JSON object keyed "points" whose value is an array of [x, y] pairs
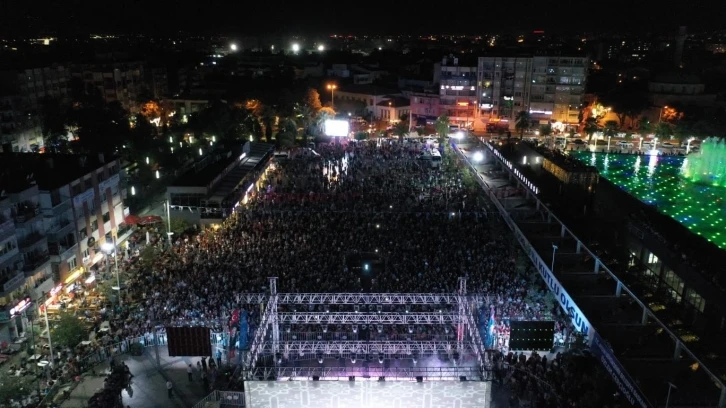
{"points": [[151, 219], [132, 219]]}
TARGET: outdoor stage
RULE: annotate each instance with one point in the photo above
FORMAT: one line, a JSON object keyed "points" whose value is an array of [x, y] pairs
{"points": [[369, 393]]}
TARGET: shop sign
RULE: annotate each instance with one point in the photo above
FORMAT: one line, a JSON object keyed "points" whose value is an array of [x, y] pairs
{"points": [[22, 305], [56, 290]]}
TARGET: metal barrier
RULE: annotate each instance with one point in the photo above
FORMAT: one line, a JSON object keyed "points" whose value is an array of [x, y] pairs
{"points": [[226, 398]]}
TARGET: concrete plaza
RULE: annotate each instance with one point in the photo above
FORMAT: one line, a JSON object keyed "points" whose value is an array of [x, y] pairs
{"points": [[148, 386]]}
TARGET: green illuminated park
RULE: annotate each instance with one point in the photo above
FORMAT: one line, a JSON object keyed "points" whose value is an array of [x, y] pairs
{"points": [[667, 182]]}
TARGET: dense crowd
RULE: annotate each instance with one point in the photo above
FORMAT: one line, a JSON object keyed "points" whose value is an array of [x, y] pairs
{"points": [[317, 223]]}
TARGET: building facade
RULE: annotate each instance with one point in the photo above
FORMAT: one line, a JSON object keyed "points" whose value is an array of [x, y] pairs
{"points": [[550, 88], [458, 91], [425, 107], [121, 82]]}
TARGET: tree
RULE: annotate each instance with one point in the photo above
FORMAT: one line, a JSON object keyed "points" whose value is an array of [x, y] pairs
{"points": [[523, 122], [442, 128], [663, 130], [545, 130], [53, 125], [69, 331], [312, 100], [287, 133], [644, 126], [325, 113], [400, 129], [591, 126], [179, 225], [611, 128], [626, 103], [15, 388], [151, 110], [361, 135]]}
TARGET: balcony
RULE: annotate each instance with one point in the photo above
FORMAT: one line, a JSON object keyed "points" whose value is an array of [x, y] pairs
{"points": [[26, 213], [7, 228], [58, 207], [61, 228], [62, 251], [35, 262], [31, 241], [12, 282]]}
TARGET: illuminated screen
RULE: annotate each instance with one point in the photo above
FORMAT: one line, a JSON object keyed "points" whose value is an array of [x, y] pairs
{"points": [[337, 128]]}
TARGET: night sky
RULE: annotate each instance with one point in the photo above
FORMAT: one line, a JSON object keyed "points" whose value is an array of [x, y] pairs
{"points": [[372, 16]]}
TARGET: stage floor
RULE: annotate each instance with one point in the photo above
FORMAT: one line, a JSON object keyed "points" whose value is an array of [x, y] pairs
{"points": [[369, 394]]}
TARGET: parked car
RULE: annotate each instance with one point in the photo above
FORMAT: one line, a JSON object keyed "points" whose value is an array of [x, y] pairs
{"points": [[668, 145], [624, 145]]}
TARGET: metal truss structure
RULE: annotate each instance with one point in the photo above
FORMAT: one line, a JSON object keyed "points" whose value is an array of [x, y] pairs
{"points": [[346, 348], [467, 335], [352, 298], [367, 318], [372, 371]]}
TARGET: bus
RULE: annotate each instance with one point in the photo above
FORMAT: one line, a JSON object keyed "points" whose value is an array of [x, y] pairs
{"points": [[435, 158]]}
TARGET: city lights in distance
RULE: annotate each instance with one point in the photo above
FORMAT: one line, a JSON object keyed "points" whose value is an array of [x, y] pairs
{"points": [[336, 128]]}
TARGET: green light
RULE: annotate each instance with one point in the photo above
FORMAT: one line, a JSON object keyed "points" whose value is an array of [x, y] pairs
{"points": [[699, 207]]}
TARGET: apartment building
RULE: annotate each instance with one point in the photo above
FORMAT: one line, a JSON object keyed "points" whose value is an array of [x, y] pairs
{"points": [[457, 90], [550, 88], [361, 97], [24, 90], [425, 107], [116, 81]]}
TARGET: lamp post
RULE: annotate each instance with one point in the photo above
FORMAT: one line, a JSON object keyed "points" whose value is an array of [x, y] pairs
{"points": [[332, 88], [640, 146], [554, 250], [609, 143], [108, 248], [47, 327]]}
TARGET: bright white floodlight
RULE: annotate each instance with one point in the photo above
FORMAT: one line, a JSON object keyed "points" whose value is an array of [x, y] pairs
{"points": [[321, 47], [478, 156], [295, 47], [233, 47]]}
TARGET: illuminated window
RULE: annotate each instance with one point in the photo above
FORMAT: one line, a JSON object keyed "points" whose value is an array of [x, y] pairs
{"points": [[652, 259]]}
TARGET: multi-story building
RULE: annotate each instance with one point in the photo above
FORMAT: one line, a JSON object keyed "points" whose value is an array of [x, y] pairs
{"points": [[425, 107], [116, 81], [393, 109], [361, 97], [550, 88], [457, 90], [24, 91]]}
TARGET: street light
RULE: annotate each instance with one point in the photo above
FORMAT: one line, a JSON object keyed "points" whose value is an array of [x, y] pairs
{"points": [[478, 157], [295, 47], [321, 48], [233, 47], [554, 250], [108, 248], [332, 88]]}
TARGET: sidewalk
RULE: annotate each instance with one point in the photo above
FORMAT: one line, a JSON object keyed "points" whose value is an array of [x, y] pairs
{"points": [[148, 386]]}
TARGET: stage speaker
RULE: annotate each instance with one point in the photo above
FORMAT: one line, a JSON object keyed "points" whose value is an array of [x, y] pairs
{"points": [[419, 379], [531, 335], [381, 379], [462, 378], [316, 378], [351, 378]]}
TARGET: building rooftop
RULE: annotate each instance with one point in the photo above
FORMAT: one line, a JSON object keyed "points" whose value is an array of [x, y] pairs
{"points": [[367, 90], [49, 171], [396, 102], [203, 173]]}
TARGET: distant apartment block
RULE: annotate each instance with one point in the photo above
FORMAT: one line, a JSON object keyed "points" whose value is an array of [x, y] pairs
{"points": [[550, 88], [116, 81]]}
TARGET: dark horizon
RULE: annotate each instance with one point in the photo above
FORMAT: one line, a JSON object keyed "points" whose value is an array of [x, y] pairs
{"points": [[163, 17]]}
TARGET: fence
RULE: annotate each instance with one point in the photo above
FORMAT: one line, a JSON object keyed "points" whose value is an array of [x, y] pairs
{"points": [[222, 399]]}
